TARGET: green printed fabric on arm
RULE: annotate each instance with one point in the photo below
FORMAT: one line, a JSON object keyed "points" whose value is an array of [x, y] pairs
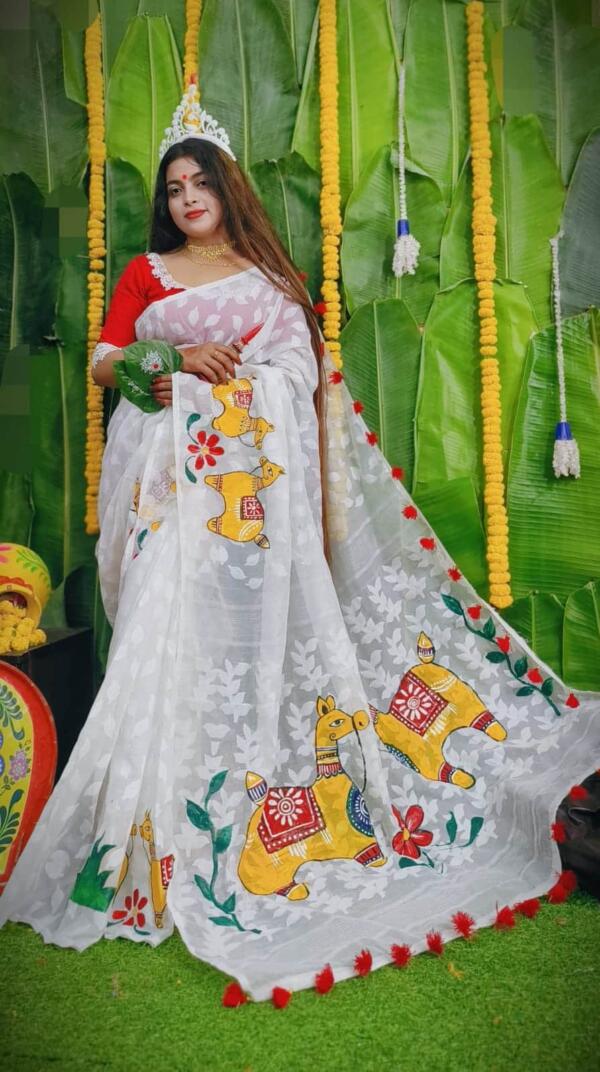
{"points": [[143, 362]]}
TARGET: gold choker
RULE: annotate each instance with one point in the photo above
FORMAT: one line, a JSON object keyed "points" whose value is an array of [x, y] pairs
{"points": [[207, 254]]}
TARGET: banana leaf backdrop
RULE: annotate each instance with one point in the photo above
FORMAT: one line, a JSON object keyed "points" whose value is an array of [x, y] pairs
{"points": [[410, 345]]}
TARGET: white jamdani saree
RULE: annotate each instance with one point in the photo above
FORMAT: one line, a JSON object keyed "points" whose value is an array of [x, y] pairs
{"points": [[290, 763]]}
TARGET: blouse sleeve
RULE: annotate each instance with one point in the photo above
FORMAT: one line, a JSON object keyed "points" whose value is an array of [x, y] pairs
{"points": [[128, 302]]}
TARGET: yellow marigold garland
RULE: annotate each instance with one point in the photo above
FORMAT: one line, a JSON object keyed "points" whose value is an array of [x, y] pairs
{"points": [[94, 443], [484, 245], [331, 219], [193, 10]]}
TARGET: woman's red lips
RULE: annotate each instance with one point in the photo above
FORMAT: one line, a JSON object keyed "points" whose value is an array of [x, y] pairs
{"points": [[196, 212]]}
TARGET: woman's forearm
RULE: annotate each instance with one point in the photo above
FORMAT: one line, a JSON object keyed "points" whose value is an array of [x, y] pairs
{"points": [[102, 371]]}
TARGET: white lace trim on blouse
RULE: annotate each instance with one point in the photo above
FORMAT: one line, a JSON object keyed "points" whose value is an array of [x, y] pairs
{"points": [[159, 271], [101, 350]]}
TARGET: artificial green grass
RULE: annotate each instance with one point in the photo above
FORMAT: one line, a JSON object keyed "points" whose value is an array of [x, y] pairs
{"points": [[525, 999]]}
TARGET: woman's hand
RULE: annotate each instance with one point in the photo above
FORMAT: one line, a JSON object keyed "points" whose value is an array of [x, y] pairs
{"points": [[162, 390], [211, 360]]}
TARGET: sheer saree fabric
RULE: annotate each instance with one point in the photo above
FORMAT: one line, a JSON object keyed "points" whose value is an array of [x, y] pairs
{"points": [[286, 761]]}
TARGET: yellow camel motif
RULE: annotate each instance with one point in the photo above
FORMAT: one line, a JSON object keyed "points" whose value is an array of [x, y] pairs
{"points": [[161, 871], [432, 702], [235, 420], [243, 517], [293, 825]]}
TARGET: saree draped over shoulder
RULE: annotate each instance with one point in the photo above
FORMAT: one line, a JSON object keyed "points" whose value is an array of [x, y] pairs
{"points": [[286, 761]]}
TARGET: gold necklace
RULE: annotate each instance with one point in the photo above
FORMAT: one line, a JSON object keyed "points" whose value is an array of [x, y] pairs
{"points": [[207, 254]]}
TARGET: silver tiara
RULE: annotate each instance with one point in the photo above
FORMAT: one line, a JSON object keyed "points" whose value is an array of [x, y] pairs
{"points": [[191, 121]]}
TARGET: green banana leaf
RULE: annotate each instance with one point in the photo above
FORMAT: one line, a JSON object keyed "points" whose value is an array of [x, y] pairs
{"points": [[437, 118], [15, 432], [143, 91], [58, 408], [28, 266], [552, 68], [528, 196], [538, 618], [448, 413], [554, 545], [305, 136], [41, 132], [289, 191], [579, 249], [298, 18], [116, 19], [398, 15], [16, 507], [381, 346], [127, 218], [74, 66], [581, 637], [248, 77], [368, 85], [460, 527], [370, 232]]}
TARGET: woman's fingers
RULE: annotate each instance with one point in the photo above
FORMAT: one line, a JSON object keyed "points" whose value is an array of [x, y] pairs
{"points": [[230, 352], [162, 390], [225, 362]]}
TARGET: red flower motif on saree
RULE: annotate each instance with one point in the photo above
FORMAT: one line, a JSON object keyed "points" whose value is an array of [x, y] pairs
{"points": [[132, 915], [205, 448], [411, 838]]}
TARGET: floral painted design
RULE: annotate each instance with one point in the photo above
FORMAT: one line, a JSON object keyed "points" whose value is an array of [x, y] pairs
{"points": [[18, 765], [500, 652], [132, 915], [152, 362], [286, 805], [9, 821], [204, 450], [410, 842], [411, 838]]}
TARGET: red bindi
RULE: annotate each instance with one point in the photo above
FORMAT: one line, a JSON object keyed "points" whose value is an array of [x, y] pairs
{"points": [[184, 176]]}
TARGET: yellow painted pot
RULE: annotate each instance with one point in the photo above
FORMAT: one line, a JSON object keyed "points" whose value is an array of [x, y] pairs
{"points": [[23, 573]]}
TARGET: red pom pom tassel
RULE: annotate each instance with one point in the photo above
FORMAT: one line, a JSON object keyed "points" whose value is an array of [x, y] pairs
{"points": [[397, 472], [401, 955], [577, 792], [568, 879], [371, 438], [233, 996], [320, 308], [281, 997], [505, 919], [435, 943], [335, 376], [363, 962], [528, 908], [463, 924], [559, 832], [324, 980], [357, 406]]}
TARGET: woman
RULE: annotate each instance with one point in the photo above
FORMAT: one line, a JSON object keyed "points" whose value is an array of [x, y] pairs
{"points": [[273, 762]]}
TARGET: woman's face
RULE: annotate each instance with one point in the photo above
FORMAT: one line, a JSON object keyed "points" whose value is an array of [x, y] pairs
{"points": [[194, 207]]}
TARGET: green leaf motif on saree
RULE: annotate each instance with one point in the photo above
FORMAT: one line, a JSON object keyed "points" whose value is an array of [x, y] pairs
{"points": [[220, 841], [89, 889]]}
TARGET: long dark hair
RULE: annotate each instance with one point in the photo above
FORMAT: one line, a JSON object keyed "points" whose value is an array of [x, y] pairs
{"points": [[249, 228]]}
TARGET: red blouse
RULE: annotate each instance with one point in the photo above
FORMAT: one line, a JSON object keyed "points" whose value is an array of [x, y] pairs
{"points": [[144, 280]]}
